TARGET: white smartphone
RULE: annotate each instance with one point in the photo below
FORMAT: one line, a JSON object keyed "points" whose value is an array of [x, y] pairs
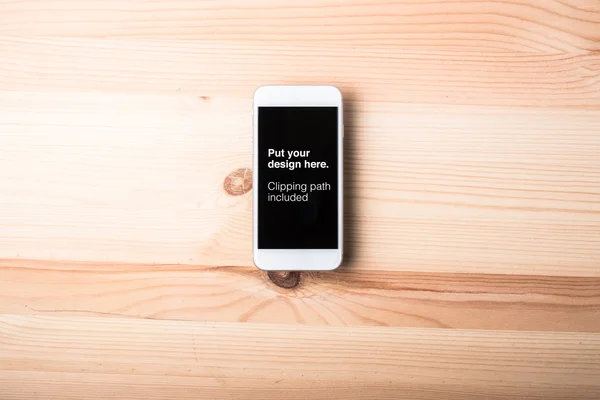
{"points": [[298, 178]]}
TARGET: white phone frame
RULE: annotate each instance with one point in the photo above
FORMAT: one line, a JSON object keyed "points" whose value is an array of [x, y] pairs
{"points": [[298, 259]]}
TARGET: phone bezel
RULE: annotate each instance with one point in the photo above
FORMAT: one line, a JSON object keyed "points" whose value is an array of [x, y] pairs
{"points": [[298, 259]]}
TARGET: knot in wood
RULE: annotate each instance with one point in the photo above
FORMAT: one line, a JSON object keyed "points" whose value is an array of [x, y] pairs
{"points": [[238, 182], [284, 279]]}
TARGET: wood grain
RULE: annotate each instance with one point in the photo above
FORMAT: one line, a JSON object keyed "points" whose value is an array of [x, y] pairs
{"points": [[45, 356], [517, 25], [342, 298], [472, 202]]}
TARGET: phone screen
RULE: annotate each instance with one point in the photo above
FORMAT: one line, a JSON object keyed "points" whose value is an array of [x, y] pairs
{"points": [[298, 177]]}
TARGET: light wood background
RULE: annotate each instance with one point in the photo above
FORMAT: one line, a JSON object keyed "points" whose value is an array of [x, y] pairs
{"points": [[473, 201]]}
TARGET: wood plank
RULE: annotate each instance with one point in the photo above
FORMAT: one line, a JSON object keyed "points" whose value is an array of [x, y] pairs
{"points": [[135, 358], [519, 25], [140, 179], [213, 68], [346, 297]]}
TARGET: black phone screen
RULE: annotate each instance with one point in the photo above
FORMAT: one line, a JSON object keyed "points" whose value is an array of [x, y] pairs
{"points": [[298, 177]]}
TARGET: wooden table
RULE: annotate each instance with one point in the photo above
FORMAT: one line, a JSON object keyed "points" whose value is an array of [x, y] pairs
{"points": [[473, 201]]}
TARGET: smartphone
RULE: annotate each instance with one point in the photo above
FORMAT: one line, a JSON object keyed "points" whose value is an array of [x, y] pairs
{"points": [[298, 178]]}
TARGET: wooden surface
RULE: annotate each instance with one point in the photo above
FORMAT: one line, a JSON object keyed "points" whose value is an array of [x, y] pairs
{"points": [[473, 201]]}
